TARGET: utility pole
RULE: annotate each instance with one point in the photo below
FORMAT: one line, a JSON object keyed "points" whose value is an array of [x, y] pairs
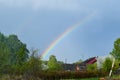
{"points": [[65, 63]]}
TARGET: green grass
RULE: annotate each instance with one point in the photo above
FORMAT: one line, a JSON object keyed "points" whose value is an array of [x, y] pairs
{"points": [[84, 79], [116, 76], [113, 77], [89, 79]]}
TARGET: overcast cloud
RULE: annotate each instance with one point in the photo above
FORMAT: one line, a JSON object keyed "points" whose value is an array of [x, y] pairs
{"points": [[43, 4]]}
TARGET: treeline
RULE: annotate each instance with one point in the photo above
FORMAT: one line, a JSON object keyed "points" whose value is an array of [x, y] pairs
{"points": [[16, 59], [17, 62]]}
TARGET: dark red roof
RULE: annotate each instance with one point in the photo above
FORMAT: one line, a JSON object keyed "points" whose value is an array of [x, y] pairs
{"points": [[91, 61]]}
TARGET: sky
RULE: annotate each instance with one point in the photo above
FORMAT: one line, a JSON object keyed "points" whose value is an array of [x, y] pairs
{"points": [[38, 23]]}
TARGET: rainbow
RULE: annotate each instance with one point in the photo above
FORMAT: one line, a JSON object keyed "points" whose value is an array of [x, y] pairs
{"points": [[64, 34]]}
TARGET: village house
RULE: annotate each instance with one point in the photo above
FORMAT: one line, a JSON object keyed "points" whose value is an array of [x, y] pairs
{"points": [[81, 66]]}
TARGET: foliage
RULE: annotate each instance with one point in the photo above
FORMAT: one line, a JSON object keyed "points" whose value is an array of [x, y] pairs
{"points": [[116, 50], [53, 64], [13, 54], [67, 75], [107, 64], [92, 67], [72, 75], [116, 77], [4, 58], [16, 60], [116, 65], [17, 48], [33, 66]]}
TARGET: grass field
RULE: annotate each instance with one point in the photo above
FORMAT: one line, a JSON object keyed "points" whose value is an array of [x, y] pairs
{"points": [[89, 79], [84, 79]]}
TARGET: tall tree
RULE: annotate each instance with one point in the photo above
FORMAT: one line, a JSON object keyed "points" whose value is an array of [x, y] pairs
{"points": [[107, 64], [21, 55], [12, 51], [17, 48], [4, 58], [116, 50], [34, 64], [53, 64]]}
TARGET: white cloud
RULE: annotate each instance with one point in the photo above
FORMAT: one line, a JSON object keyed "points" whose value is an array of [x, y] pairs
{"points": [[43, 4]]}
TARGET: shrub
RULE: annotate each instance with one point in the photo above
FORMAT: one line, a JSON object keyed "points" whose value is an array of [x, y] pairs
{"points": [[72, 74]]}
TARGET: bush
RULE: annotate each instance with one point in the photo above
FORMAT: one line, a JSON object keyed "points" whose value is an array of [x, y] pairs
{"points": [[72, 75], [91, 67], [107, 64]]}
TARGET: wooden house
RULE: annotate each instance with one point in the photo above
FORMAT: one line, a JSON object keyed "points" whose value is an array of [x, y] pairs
{"points": [[79, 67]]}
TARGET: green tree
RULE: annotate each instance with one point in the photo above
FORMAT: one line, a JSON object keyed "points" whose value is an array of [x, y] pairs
{"points": [[4, 54], [116, 50], [21, 55], [53, 64], [21, 60], [13, 53], [116, 65], [92, 67], [34, 65], [107, 64], [17, 48], [4, 58]]}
